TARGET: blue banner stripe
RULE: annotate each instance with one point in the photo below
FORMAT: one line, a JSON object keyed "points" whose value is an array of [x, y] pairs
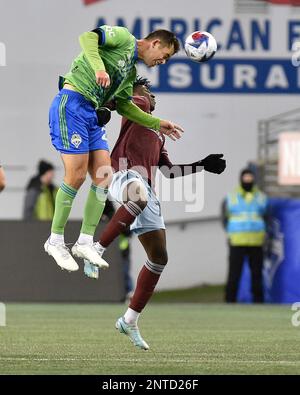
{"points": [[259, 76]]}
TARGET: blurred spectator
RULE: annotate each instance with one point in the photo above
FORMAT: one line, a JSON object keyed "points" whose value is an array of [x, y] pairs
{"points": [[2, 179], [244, 215], [40, 194]]}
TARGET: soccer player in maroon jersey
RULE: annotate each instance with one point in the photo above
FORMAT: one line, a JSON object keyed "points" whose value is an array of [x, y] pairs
{"points": [[137, 154]]}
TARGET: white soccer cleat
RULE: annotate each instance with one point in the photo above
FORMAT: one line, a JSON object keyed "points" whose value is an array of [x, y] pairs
{"points": [[62, 256], [132, 331], [91, 252]]}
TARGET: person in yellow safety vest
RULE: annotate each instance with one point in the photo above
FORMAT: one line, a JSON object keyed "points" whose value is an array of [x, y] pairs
{"points": [[40, 194], [244, 215]]}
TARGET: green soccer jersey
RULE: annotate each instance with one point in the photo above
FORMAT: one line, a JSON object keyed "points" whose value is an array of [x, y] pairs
{"points": [[113, 49], [117, 49]]}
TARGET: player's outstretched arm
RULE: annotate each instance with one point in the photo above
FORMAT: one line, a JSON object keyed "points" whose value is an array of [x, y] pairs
{"points": [[212, 163], [128, 109], [89, 42]]}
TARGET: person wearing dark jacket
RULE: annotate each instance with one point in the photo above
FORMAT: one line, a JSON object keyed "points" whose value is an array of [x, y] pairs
{"points": [[40, 194]]}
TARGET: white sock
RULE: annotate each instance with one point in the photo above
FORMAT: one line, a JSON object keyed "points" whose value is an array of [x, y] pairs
{"points": [[85, 239], [56, 239], [131, 317]]}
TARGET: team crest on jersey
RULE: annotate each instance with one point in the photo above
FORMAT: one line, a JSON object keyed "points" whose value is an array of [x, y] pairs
{"points": [[76, 140], [121, 63]]}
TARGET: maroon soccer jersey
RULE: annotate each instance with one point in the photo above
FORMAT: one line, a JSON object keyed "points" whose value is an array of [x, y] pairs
{"points": [[140, 148]]}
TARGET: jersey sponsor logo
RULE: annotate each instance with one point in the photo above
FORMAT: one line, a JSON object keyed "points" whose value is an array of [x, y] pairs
{"points": [[109, 30], [76, 140]]}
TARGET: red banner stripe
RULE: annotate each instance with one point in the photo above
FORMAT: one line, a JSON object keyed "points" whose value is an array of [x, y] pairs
{"points": [[290, 2], [88, 2]]}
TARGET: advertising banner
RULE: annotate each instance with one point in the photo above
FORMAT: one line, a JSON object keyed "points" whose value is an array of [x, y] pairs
{"points": [[282, 261]]}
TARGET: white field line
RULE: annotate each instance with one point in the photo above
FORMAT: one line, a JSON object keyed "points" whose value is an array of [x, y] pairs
{"points": [[24, 359]]}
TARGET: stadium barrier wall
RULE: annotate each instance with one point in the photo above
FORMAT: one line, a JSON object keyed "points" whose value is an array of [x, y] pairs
{"points": [[28, 274], [197, 253]]}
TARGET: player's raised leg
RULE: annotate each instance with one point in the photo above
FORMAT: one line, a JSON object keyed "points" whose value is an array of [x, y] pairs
{"points": [[100, 172], [134, 197], [154, 243], [75, 173], [134, 201]]}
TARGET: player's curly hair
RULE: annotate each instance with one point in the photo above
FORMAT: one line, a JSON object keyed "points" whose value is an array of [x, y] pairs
{"points": [[142, 81]]}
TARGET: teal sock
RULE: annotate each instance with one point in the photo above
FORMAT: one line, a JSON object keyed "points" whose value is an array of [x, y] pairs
{"points": [[63, 204], [93, 210]]}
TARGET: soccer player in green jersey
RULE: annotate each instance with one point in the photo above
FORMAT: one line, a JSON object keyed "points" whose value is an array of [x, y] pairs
{"points": [[105, 69]]}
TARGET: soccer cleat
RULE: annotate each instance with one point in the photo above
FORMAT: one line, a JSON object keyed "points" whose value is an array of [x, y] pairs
{"points": [[90, 252], [62, 256], [99, 249], [132, 331], [90, 270]]}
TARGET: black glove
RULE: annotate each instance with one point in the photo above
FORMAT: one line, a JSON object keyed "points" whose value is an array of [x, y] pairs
{"points": [[213, 163], [104, 115]]}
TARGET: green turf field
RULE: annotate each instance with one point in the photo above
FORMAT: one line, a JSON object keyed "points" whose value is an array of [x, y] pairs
{"points": [[184, 339]]}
